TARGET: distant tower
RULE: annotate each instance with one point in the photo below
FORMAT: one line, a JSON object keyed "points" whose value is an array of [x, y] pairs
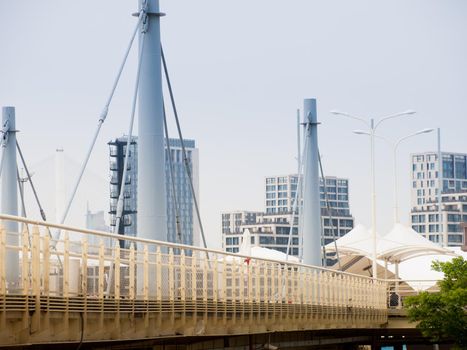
{"points": [[129, 224], [59, 184], [117, 150], [427, 182]]}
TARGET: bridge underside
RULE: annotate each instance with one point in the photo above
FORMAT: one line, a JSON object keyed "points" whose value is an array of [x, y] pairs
{"points": [[45, 320]]}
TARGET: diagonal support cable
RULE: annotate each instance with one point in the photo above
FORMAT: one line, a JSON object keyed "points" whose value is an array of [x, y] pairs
{"points": [[120, 202], [186, 161], [172, 181], [21, 182], [41, 210], [296, 200], [101, 120], [328, 207]]}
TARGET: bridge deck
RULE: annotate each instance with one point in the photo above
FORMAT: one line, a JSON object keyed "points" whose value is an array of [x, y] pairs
{"points": [[94, 285]]}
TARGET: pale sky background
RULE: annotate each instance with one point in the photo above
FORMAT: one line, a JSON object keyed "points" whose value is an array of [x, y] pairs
{"points": [[240, 69]]}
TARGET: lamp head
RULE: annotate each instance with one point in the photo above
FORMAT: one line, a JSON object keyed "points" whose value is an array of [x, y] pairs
{"points": [[339, 113], [409, 112], [361, 132], [425, 131]]}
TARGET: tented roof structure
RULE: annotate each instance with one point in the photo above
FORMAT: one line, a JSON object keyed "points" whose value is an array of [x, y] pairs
{"points": [[403, 243], [419, 268], [357, 241], [400, 244]]}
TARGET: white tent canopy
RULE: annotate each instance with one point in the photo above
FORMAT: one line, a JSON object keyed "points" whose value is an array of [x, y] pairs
{"points": [[400, 244], [357, 241], [403, 243]]}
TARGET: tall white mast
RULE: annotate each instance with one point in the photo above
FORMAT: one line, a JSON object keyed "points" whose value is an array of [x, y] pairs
{"points": [[311, 201], [152, 214], [9, 198]]}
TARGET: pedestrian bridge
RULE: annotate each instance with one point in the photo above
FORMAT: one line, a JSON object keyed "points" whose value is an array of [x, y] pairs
{"points": [[93, 286]]}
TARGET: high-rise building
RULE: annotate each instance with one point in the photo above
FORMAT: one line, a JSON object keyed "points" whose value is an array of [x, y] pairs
{"points": [[96, 221], [189, 226], [426, 183], [281, 192], [271, 228]]}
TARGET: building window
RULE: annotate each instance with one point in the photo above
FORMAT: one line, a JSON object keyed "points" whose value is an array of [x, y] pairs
{"points": [[454, 228], [455, 238], [454, 217]]}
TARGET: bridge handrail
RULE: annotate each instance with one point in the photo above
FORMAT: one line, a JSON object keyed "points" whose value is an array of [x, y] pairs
{"points": [[92, 266], [8, 217]]}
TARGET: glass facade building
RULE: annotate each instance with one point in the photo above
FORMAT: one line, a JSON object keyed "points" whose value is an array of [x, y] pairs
{"points": [[188, 225], [271, 228], [426, 182]]}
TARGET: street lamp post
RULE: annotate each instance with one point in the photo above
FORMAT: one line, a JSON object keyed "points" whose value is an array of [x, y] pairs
{"points": [[394, 146], [372, 125]]}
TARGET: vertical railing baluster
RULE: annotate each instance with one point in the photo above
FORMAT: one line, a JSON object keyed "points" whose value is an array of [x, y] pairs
{"points": [[308, 287], [36, 276], [241, 287], [66, 266], [2, 259], [259, 275], [84, 271], [234, 290], [183, 276], [205, 286], [25, 261], [280, 289], [117, 271], [146, 283], [171, 290], [46, 265], [194, 285], [224, 289], [171, 270], [145, 273], [194, 278], [158, 274], [131, 273], [215, 279], [101, 271]]}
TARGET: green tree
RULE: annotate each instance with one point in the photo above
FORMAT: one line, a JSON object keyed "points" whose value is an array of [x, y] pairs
{"points": [[443, 315]]}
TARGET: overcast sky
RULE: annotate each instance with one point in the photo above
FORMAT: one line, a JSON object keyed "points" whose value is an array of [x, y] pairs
{"points": [[240, 69]]}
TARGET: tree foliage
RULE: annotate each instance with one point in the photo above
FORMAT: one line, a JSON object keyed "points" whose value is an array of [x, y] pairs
{"points": [[443, 315]]}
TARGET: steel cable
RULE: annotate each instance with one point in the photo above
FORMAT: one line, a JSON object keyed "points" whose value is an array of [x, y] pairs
{"points": [[328, 207], [185, 158], [172, 178], [101, 120], [120, 203]]}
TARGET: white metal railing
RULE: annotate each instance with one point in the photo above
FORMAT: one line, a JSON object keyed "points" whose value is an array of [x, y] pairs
{"points": [[91, 265], [399, 290]]}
